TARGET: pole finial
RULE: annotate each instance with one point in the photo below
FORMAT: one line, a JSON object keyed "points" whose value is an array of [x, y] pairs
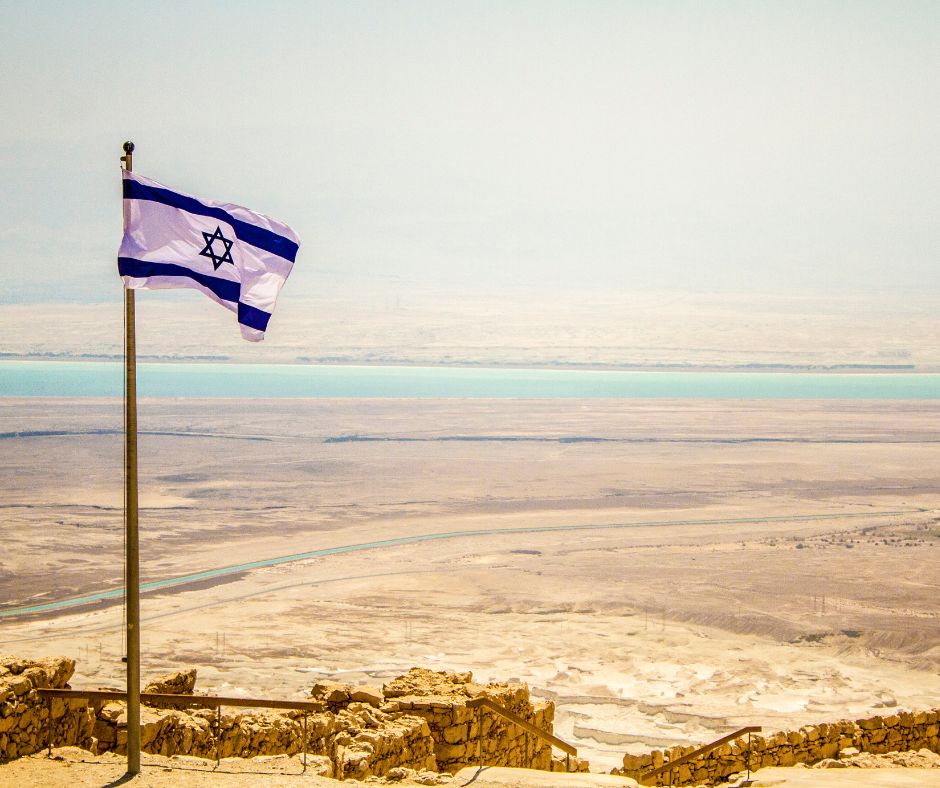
{"points": [[128, 156]]}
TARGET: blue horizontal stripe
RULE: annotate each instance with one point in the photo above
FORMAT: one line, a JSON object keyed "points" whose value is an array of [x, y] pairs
{"points": [[223, 288], [260, 237], [252, 317]]}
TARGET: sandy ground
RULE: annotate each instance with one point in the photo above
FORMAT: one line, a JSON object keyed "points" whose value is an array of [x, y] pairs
{"points": [[848, 778], [751, 563], [72, 767]]}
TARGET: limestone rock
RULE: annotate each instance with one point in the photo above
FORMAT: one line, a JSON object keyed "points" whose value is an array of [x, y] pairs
{"points": [[320, 765], [20, 685], [332, 692], [113, 712], [371, 695], [830, 763], [423, 683], [180, 682]]}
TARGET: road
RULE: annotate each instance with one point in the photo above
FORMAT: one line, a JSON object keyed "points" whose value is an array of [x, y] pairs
{"points": [[116, 594]]}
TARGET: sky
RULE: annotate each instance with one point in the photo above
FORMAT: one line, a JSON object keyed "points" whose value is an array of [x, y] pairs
{"points": [[741, 146]]}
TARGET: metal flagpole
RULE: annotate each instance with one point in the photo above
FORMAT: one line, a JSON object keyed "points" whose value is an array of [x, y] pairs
{"points": [[132, 553]]}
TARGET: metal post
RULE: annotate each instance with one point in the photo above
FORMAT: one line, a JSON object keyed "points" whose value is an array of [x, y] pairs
{"points": [[51, 729], [748, 759], [480, 734], [132, 556], [218, 735]]}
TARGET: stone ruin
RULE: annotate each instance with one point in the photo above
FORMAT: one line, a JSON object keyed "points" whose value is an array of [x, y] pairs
{"points": [[439, 699], [826, 745], [418, 725], [28, 723]]}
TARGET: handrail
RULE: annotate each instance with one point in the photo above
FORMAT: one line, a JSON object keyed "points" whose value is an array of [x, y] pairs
{"points": [[198, 701], [670, 765], [483, 702], [216, 702]]}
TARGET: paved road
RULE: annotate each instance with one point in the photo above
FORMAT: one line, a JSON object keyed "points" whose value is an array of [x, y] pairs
{"points": [[209, 574]]}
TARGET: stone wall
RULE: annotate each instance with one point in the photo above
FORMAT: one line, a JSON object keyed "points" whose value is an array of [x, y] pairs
{"points": [[418, 722], [373, 742], [29, 723], [441, 700], [353, 739], [901, 732], [204, 733]]}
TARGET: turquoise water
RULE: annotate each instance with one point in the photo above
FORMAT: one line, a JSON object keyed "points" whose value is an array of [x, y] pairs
{"points": [[198, 379]]}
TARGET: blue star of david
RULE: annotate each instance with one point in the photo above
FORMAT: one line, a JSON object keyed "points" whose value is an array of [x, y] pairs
{"points": [[209, 251]]}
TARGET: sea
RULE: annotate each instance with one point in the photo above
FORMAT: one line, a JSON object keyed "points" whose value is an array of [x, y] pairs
{"points": [[205, 379]]}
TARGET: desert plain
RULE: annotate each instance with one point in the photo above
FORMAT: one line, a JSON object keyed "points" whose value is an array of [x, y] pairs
{"points": [[664, 570]]}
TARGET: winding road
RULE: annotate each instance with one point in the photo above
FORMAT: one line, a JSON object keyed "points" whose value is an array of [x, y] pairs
{"points": [[210, 574]]}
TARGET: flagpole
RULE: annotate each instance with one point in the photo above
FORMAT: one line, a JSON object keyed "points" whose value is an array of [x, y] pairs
{"points": [[132, 552]]}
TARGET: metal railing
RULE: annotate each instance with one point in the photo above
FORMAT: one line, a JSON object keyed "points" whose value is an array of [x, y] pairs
{"points": [[671, 765], [482, 702], [216, 702], [191, 701]]}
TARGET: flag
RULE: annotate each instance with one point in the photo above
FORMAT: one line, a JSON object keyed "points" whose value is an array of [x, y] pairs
{"points": [[237, 257]]}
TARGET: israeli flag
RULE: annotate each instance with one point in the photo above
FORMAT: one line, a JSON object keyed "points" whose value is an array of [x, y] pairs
{"points": [[237, 257]]}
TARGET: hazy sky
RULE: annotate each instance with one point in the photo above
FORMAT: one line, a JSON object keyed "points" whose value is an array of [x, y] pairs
{"points": [[727, 145]]}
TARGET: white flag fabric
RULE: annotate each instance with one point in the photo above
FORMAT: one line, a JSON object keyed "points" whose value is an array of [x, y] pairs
{"points": [[237, 257]]}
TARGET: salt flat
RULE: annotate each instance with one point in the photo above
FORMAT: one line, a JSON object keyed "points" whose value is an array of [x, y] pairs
{"points": [[809, 593]]}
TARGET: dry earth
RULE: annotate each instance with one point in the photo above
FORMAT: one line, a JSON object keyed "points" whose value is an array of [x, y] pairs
{"points": [[748, 563], [76, 769]]}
